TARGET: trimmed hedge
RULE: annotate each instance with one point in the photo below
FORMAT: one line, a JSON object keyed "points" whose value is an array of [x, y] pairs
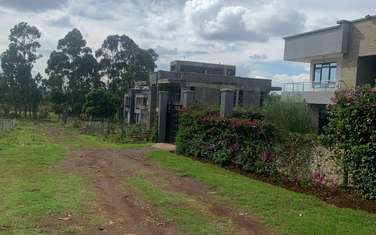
{"points": [[240, 141], [352, 131]]}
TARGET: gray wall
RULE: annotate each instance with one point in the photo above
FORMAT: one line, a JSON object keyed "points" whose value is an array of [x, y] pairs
{"points": [[327, 42]]}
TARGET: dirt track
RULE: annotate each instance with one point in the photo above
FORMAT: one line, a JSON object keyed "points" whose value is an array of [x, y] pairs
{"points": [[125, 212]]}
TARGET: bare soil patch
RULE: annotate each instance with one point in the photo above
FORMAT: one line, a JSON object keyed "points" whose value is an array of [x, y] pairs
{"points": [[126, 213]]}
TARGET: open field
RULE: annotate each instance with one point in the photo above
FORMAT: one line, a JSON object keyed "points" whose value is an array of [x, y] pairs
{"points": [[54, 180]]}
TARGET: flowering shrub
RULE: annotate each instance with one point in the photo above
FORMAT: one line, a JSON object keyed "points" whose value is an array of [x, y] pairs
{"points": [[318, 179], [352, 131], [245, 143]]}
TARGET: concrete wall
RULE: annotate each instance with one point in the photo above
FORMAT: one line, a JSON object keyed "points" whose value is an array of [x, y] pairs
{"points": [[313, 97], [251, 99], [326, 42], [207, 96], [362, 43]]}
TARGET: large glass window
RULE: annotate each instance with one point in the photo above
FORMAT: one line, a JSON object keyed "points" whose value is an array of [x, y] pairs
{"points": [[325, 72]]}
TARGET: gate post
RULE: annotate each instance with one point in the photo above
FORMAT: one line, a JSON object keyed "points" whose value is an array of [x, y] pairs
{"points": [[227, 103], [162, 116], [188, 98]]}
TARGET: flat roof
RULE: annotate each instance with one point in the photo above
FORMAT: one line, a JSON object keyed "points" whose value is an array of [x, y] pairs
{"points": [[368, 17], [200, 63]]}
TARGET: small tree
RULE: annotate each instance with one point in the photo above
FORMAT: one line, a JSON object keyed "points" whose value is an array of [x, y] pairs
{"points": [[100, 105], [352, 131], [289, 114]]}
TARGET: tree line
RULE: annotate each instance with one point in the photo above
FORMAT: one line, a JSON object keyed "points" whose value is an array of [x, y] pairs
{"points": [[79, 80]]}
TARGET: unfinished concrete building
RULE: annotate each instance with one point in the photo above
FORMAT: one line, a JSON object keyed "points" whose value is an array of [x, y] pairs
{"points": [[206, 82]]}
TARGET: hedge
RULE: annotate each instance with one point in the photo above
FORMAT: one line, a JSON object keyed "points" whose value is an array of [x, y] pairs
{"points": [[352, 131], [240, 141]]}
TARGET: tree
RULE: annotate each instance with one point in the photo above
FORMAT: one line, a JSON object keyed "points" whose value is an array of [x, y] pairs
{"points": [[123, 63], [17, 63], [100, 104], [73, 72]]}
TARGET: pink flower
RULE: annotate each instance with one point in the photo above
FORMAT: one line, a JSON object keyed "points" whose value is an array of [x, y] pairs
{"points": [[373, 90], [234, 147], [235, 123], [350, 98], [333, 99], [266, 157], [318, 178]]}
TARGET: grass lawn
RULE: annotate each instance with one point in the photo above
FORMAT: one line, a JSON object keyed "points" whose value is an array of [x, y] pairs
{"points": [[31, 187], [192, 216], [281, 210]]}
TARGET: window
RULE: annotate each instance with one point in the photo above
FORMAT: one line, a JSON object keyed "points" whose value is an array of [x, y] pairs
{"points": [[325, 72]]}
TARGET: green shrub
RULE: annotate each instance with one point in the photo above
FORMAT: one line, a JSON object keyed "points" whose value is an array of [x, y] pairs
{"points": [[289, 114], [245, 143], [352, 131], [295, 156], [136, 134]]}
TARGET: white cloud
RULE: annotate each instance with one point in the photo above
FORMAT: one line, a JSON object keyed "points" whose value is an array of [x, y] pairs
{"points": [[219, 20], [240, 32], [280, 79]]}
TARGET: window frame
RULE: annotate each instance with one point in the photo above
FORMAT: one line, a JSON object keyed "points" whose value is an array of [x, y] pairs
{"points": [[321, 67]]}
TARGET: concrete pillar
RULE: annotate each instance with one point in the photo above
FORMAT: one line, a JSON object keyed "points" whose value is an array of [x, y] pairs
{"points": [[153, 97], [188, 98], [162, 116], [227, 103]]}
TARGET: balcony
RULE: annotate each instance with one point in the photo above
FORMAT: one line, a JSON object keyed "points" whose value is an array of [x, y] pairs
{"points": [[324, 43], [310, 86], [311, 92]]}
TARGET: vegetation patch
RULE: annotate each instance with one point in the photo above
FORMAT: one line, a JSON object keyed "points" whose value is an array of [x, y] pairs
{"points": [[352, 133], [287, 212], [30, 187], [191, 215]]}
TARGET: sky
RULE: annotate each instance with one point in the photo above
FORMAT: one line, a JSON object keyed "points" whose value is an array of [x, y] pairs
{"points": [[246, 33]]}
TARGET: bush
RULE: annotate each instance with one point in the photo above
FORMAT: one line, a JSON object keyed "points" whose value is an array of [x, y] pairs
{"points": [[352, 131], [245, 143], [295, 156], [136, 134], [289, 114]]}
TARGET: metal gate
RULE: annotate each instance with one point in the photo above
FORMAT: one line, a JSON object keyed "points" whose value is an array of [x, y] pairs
{"points": [[172, 122]]}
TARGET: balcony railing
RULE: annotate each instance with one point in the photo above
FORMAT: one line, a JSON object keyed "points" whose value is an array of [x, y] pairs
{"points": [[310, 86]]}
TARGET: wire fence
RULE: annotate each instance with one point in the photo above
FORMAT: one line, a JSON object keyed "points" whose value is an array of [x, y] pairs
{"points": [[6, 125]]}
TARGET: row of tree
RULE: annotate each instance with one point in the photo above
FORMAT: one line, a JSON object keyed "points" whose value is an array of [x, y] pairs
{"points": [[75, 74]]}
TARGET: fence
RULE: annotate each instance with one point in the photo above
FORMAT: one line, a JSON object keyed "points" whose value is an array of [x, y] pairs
{"points": [[6, 125]]}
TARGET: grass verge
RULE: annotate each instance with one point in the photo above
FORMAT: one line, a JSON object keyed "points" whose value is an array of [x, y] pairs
{"points": [[192, 216], [72, 138], [30, 187], [282, 210]]}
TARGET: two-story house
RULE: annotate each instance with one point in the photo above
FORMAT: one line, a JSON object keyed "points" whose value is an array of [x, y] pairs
{"points": [[342, 56]]}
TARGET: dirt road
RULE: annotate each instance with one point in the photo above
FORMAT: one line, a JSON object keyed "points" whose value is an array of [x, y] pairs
{"points": [[122, 210]]}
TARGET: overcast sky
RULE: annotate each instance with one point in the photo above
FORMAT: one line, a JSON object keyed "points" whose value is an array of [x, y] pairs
{"points": [[247, 33]]}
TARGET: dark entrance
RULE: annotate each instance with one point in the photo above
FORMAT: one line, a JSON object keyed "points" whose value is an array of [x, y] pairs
{"points": [[172, 122], [366, 70]]}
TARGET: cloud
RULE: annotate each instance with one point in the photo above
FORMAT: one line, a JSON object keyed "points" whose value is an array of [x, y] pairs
{"points": [[161, 51], [258, 57], [281, 79], [217, 20], [62, 22], [33, 5]]}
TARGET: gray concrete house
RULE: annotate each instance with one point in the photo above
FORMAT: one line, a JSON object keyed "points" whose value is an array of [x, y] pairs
{"points": [[136, 109], [341, 56], [205, 81]]}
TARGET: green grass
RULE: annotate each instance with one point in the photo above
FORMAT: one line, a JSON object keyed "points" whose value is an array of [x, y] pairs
{"points": [[71, 137], [30, 187], [191, 215], [281, 210]]}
